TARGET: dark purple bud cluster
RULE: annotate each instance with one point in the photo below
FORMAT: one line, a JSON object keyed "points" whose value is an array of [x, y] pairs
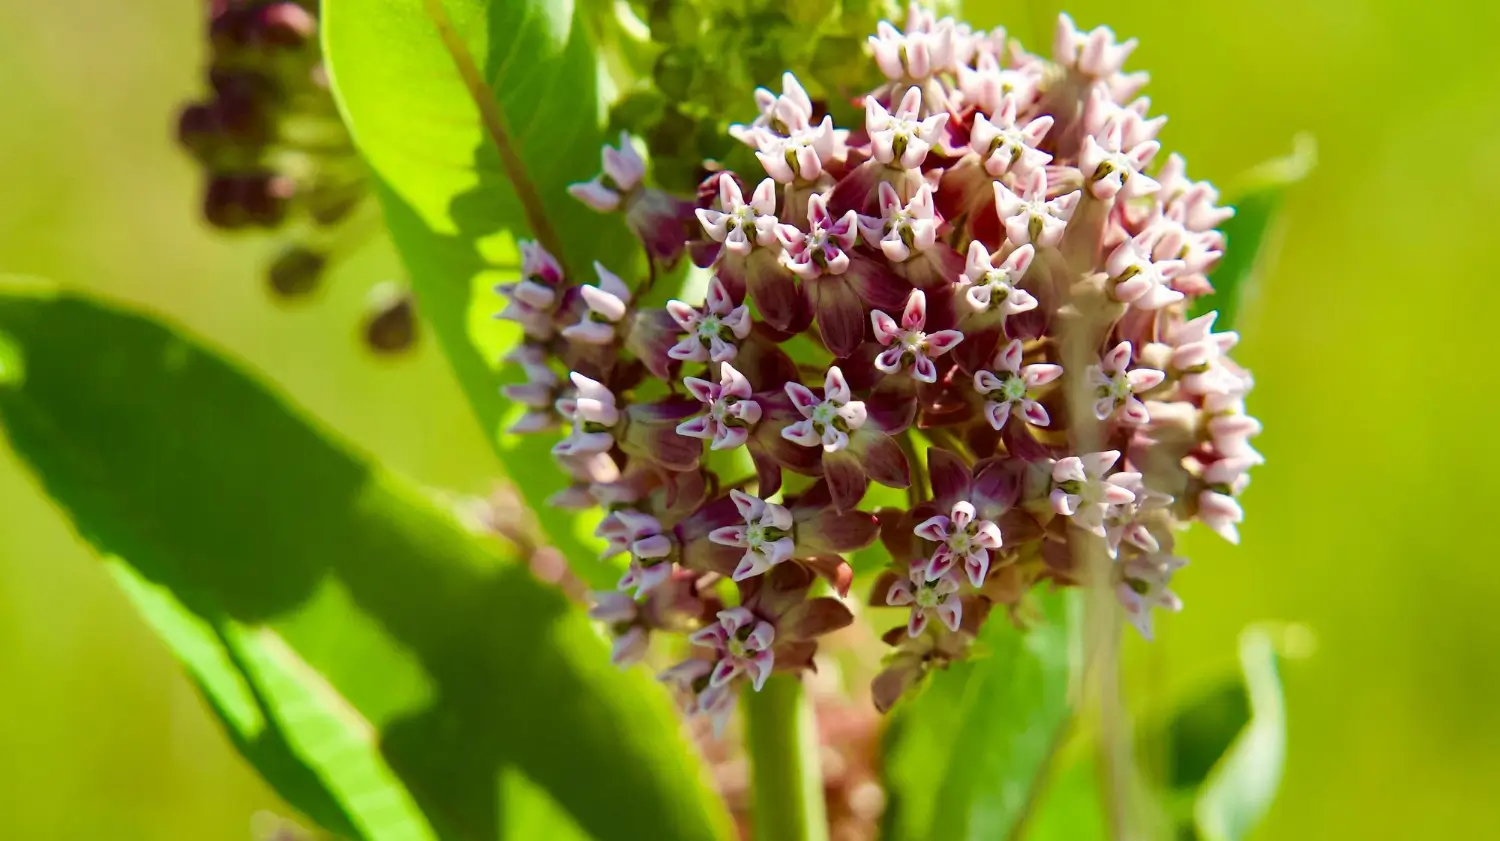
{"points": [[274, 153]]}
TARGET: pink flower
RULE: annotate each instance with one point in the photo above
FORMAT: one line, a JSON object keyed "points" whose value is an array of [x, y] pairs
{"points": [[712, 332], [1136, 278], [765, 536], [593, 414], [779, 115], [1030, 217], [1143, 587], [1200, 355], [607, 304], [741, 225], [1222, 513], [1011, 388], [742, 644], [533, 297], [906, 343], [623, 171], [1081, 491], [1110, 168], [991, 287], [1003, 144], [1116, 386], [901, 139], [899, 231], [987, 85], [829, 421], [650, 565], [1195, 200], [731, 410], [538, 393], [961, 536], [915, 54], [1094, 54], [928, 599], [826, 245]]}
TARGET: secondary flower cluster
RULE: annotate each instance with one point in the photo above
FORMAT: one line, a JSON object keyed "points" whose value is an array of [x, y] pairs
{"points": [[981, 295], [268, 137]]}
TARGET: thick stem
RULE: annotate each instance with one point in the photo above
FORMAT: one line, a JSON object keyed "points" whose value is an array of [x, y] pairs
{"points": [[785, 774]]}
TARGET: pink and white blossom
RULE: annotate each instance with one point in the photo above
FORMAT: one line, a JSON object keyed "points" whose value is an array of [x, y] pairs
{"points": [[1143, 588], [928, 599], [593, 413], [900, 231], [607, 303], [713, 332], [732, 410], [902, 138], [742, 225], [826, 422], [742, 644], [1139, 279], [1111, 168], [962, 537], [1031, 217], [825, 247], [1011, 388], [1094, 54], [988, 287], [1082, 491], [766, 535], [1116, 385], [1005, 145], [623, 169], [907, 344]]}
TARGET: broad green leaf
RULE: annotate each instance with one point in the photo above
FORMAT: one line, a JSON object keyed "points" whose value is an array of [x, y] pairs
{"points": [[474, 116], [1252, 232], [1070, 808], [965, 756], [1241, 787], [327, 608]]}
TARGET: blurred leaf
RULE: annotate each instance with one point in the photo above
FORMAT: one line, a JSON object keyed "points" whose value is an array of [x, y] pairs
{"points": [[964, 757], [1240, 789], [475, 115], [1199, 732], [326, 607], [1070, 808], [1251, 233]]}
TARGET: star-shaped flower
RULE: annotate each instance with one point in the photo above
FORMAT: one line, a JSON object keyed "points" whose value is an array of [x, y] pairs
{"points": [[1116, 386], [962, 537], [907, 343], [901, 139], [1081, 490], [827, 422], [1011, 388], [732, 411], [766, 535], [1031, 217], [712, 332]]}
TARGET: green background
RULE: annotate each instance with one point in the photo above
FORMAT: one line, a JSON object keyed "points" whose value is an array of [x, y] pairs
{"points": [[1370, 522]]}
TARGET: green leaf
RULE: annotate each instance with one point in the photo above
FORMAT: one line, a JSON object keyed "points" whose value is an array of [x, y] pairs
{"points": [[326, 607], [1252, 232], [474, 116], [964, 758], [1241, 787], [1071, 807]]}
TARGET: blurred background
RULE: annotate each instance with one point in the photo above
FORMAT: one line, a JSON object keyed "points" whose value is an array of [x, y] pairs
{"points": [[1371, 344]]}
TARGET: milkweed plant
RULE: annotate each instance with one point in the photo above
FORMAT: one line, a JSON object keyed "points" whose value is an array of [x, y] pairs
{"points": [[855, 373]]}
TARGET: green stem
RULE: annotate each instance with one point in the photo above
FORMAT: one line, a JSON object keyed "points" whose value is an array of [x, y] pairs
{"points": [[786, 778]]}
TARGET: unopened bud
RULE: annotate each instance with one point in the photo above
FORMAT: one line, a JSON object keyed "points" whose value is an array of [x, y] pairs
{"points": [[296, 271], [391, 325]]}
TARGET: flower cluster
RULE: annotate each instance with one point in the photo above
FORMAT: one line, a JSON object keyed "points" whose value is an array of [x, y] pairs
{"points": [[980, 296], [268, 137]]}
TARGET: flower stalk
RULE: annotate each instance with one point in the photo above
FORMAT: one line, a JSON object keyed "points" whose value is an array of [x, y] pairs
{"points": [[787, 779]]}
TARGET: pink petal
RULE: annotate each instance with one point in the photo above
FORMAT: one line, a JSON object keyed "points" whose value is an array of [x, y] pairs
{"points": [[886, 329], [1097, 464], [900, 594], [951, 613], [914, 317], [728, 536], [933, 528]]}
